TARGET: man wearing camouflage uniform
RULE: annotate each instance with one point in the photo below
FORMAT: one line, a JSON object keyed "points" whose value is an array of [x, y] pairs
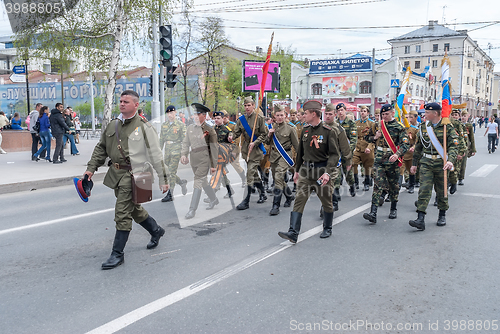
{"points": [[389, 152], [471, 146], [429, 155], [352, 134], [412, 132], [171, 136], [236, 151], [462, 148]]}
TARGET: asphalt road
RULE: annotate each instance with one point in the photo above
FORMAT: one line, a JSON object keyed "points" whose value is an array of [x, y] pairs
{"points": [[229, 272]]}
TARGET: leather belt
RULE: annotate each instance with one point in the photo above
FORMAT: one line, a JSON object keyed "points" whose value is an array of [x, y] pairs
{"points": [[199, 149], [125, 167], [310, 164], [432, 156], [384, 149]]}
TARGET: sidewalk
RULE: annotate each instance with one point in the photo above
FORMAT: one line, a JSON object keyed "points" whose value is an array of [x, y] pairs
{"points": [[19, 173]]}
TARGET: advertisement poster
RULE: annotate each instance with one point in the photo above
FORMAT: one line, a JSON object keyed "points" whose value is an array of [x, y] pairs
{"points": [[252, 76], [340, 86], [353, 64]]}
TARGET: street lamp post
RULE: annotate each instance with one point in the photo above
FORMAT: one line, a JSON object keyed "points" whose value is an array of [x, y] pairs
{"points": [[238, 99]]}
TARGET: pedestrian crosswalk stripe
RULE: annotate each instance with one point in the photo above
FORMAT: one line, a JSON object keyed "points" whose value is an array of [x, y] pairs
{"points": [[484, 171]]}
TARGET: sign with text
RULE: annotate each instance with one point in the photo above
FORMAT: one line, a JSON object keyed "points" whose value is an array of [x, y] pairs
{"points": [[340, 86], [252, 76], [361, 64]]}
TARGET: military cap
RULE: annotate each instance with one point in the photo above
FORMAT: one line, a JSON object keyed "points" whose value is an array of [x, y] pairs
{"points": [[226, 114], [83, 187], [377, 111], [340, 105], [278, 108], [170, 108], [248, 99], [330, 107], [413, 112], [464, 113], [455, 111], [432, 106], [218, 113], [386, 107], [200, 108], [312, 105]]}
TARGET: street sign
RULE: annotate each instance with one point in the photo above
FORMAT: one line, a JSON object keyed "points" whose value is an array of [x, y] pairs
{"points": [[394, 83], [17, 78], [19, 69]]}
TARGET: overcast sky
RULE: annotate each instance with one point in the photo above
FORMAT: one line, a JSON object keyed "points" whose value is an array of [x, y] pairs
{"points": [[321, 44]]}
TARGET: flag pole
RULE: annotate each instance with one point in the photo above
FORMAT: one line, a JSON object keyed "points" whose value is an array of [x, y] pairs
{"points": [[265, 71], [446, 110]]}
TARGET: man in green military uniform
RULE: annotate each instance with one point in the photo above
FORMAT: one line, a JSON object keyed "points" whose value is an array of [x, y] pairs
{"points": [[317, 156], [223, 131], [412, 132], [352, 134], [202, 140], [462, 148], [429, 154], [363, 154], [391, 143], [130, 142], [471, 145], [251, 149], [171, 136], [344, 147], [281, 138], [236, 152]]}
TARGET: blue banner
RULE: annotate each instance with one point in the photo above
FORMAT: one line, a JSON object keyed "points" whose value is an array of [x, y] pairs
{"points": [[357, 64]]}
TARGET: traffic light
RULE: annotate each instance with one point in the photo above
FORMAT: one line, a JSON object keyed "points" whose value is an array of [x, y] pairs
{"points": [[151, 85], [170, 83], [166, 51]]}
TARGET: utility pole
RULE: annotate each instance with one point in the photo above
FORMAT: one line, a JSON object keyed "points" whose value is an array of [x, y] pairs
{"points": [[27, 84], [92, 110], [162, 84], [155, 105], [372, 106]]}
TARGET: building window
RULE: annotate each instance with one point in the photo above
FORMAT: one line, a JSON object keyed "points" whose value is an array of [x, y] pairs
{"points": [[418, 48], [407, 49], [417, 64], [434, 63], [446, 46], [422, 92], [468, 81], [316, 89], [410, 89], [406, 64], [365, 87], [435, 47], [417, 92], [468, 64]]}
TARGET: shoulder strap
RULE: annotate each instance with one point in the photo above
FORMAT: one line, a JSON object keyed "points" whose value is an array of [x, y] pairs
{"points": [[119, 146], [389, 140]]}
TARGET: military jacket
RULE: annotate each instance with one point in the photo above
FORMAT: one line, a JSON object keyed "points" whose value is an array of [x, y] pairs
{"points": [[343, 142], [362, 129], [399, 137], [471, 141], [261, 131], [351, 131], [203, 142], [462, 141], [172, 134], [223, 132], [139, 142], [231, 126], [327, 150], [412, 137], [287, 136], [424, 145]]}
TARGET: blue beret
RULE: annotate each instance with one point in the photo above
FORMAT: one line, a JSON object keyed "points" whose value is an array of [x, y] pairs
{"points": [[170, 108], [218, 113], [386, 107], [340, 105], [432, 106]]}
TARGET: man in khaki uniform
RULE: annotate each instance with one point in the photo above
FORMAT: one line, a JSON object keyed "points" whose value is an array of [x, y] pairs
{"points": [[139, 145], [317, 156], [236, 152], [471, 146], [412, 133], [364, 152], [202, 140], [351, 132], [243, 128], [285, 136]]}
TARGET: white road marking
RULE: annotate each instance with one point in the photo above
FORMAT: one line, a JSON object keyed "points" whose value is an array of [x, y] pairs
{"points": [[484, 171], [481, 195], [161, 303]]}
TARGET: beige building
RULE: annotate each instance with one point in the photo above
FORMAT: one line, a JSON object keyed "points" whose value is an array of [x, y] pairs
{"points": [[471, 68]]}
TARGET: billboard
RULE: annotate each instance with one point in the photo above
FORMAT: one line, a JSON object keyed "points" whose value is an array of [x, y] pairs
{"points": [[340, 86], [252, 76], [358, 64]]}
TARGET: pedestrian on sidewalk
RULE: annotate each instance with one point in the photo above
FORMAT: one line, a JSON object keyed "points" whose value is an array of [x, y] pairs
{"points": [[15, 123], [59, 128], [70, 135], [78, 128], [35, 138], [492, 131], [4, 121], [44, 133]]}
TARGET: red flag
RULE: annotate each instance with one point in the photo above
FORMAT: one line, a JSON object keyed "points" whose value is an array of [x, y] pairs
{"points": [[265, 71]]}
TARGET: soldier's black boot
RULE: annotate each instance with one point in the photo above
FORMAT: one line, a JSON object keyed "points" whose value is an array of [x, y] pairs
{"points": [[382, 198], [246, 200], [336, 192], [230, 191], [352, 191], [366, 184], [436, 202], [356, 181], [371, 181], [116, 258], [453, 188], [419, 222], [327, 224], [400, 182], [276, 202], [212, 197], [460, 182], [154, 229], [243, 178], [262, 192], [195, 200], [393, 214], [293, 231], [372, 216], [168, 197], [335, 202], [289, 197], [411, 185], [321, 211], [441, 218], [183, 185]]}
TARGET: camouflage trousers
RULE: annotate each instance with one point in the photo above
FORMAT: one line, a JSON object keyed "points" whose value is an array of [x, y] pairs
{"points": [[171, 160], [456, 172], [386, 178], [431, 175], [463, 165], [349, 176]]}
